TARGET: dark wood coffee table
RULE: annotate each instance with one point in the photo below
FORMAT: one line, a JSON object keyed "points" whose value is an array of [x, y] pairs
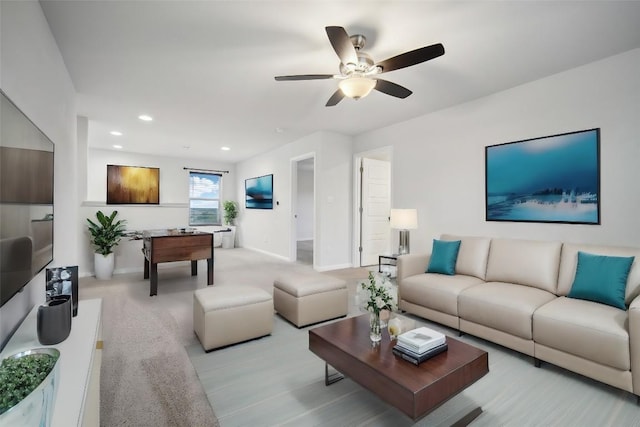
{"points": [[414, 390]]}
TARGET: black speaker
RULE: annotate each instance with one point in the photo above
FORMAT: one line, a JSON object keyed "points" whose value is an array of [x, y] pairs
{"points": [[54, 320]]}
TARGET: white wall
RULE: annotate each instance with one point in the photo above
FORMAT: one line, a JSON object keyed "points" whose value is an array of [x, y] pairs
{"points": [[271, 231], [34, 77], [304, 205], [439, 158], [172, 212]]}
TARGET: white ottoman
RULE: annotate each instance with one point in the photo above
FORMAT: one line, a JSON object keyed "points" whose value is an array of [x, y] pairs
{"points": [[224, 315], [304, 298]]}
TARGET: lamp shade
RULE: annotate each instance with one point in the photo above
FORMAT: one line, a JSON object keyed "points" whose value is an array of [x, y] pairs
{"points": [[404, 219], [357, 87]]}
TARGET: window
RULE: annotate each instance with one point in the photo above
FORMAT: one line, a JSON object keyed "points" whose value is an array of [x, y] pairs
{"points": [[204, 198]]}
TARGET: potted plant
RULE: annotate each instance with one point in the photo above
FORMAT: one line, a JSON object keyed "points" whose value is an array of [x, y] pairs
{"points": [[230, 213], [28, 382], [105, 235]]}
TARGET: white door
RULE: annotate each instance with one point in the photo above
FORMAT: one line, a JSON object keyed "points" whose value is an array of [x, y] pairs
{"points": [[375, 204]]}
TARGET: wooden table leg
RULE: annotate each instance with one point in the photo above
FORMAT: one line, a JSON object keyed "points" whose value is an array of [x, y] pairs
{"points": [[194, 267], [209, 271], [153, 283]]}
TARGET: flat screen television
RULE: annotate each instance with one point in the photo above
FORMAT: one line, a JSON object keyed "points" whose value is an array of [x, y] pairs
{"points": [[259, 192], [26, 200]]}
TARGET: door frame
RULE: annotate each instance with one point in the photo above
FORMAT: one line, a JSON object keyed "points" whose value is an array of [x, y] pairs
{"points": [[293, 230], [382, 153]]}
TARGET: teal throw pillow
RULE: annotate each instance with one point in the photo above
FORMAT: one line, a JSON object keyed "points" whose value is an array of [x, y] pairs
{"points": [[444, 255], [601, 279]]}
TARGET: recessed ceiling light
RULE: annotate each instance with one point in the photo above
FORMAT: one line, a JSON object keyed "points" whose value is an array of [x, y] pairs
{"points": [[145, 117], [279, 130], [117, 146], [116, 133], [225, 148]]}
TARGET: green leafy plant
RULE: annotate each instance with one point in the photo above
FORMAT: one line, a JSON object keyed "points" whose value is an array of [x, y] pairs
{"points": [[106, 233], [230, 211], [20, 376]]}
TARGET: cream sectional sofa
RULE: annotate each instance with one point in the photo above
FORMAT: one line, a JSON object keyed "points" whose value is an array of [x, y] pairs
{"points": [[514, 293]]}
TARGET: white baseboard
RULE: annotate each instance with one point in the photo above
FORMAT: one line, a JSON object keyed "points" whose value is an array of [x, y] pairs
{"points": [[266, 253], [333, 267], [140, 270], [172, 264]]}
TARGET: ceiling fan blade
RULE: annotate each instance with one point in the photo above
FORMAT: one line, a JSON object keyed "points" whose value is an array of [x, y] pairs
{"points": [[412, 57], [392, 89], [342, 45], [304, 77], [335, 98]]}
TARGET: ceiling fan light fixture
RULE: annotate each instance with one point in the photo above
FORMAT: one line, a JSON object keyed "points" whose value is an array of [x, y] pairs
{"points": [[357, 87]]}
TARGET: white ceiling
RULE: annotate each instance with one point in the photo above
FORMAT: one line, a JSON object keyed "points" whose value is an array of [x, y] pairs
{"points": [[205, 69]]}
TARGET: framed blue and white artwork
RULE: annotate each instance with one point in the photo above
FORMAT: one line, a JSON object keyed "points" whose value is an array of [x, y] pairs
{"points": [[259, 192], [549, 179]]}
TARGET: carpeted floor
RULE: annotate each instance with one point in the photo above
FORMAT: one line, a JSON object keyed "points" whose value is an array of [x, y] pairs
{"points": [[149, 379], [146, 376]]}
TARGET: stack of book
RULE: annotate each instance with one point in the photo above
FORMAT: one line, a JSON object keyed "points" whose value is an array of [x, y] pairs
{"points": [[420, 344]]}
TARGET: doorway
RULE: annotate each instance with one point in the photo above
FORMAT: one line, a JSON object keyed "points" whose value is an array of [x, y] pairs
{"points": [[303, 209], [372, 236]]}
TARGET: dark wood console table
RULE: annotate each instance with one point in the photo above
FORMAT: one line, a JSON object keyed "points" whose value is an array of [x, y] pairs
{"points": [[176, 245]]}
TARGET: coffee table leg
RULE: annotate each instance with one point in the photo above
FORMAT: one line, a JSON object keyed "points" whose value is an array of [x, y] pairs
{"points": [[467, 419], [333, 378]]}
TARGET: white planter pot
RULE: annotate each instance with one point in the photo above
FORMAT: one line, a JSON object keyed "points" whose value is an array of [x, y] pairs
{"points": [[35, 409], [229, 238], [104, 265]]}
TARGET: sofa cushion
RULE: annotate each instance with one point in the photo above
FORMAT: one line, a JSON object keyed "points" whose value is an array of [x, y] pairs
{"points": [[601, 279], [472, 256], [525, 262], [436, 291], [592, 331], [569, 260], [444, 255], [506, 307]]}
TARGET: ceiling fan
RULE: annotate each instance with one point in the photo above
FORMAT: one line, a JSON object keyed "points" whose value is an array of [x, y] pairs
{"points": [[358, 72]]}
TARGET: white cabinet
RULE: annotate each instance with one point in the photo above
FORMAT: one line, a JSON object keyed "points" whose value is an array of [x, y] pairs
{"points": [[77, 401]]}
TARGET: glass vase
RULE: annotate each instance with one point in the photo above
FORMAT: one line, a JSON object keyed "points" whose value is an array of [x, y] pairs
{"points": [[375, 331]]}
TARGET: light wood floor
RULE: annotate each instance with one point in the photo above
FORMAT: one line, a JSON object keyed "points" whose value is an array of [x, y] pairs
{"points": [[276, 380]]}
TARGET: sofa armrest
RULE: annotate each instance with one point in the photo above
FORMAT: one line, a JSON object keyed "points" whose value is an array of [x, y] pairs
{"points": [[634, 342], [410, 265]]}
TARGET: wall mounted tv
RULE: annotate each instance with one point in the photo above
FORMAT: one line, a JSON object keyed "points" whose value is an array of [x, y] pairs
{"points": [[26, 200], [259, 192]]}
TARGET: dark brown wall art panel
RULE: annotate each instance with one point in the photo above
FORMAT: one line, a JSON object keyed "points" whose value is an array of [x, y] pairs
{"points": [[133, 185], [26, 176]]}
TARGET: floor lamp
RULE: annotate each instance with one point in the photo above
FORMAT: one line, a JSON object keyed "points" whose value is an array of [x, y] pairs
{"points": [[404, 220]]}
